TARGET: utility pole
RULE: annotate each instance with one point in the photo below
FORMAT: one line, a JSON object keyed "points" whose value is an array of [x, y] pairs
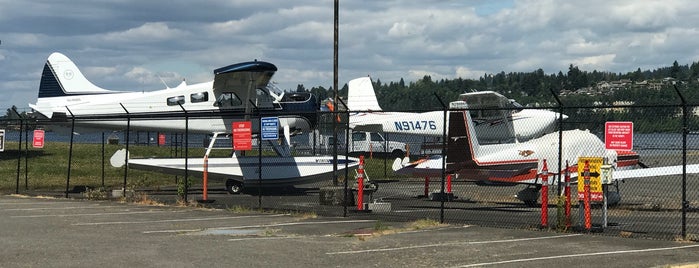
{"points": [[335, 47]]}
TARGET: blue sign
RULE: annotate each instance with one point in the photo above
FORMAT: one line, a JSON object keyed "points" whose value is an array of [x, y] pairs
{"points": [[269, 128]]}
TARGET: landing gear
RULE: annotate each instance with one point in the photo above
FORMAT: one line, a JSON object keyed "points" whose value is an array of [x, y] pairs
{"points": [[529, 195], [233, 186]]}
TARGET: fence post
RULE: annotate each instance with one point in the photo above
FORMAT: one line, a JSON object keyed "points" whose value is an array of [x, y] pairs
{"points": [[19, 150], [126, 157], [560, 139], [19, 155], [444, 155], [336, 118], [685, 203], [70, 151], [259, 150]]}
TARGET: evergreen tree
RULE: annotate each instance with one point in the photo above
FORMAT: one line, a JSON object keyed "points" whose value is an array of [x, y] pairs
{"points": [[675, 70]]}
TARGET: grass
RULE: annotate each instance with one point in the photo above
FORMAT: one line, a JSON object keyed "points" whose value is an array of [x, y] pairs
{"points": [[47, 168]]}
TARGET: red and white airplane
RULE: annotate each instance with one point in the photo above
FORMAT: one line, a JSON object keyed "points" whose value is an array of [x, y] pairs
{"points": [[521, 163]]}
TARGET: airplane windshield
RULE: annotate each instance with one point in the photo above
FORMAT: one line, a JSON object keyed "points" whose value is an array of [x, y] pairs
{"points": [[518, 107], [274, 89], [276, 92]]}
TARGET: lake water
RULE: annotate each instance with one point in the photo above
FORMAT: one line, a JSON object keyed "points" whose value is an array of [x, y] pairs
{"points": [[650, 141]]}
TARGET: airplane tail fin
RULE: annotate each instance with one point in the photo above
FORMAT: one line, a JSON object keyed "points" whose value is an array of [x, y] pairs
{"points": [[61, 77], [463, 144], [361, 95]]}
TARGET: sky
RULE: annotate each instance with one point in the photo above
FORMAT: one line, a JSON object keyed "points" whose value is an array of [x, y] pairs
{"points": [[136, 45]]}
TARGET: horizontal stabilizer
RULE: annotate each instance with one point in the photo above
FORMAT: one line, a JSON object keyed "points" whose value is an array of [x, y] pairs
{"points": [[654, 172]]}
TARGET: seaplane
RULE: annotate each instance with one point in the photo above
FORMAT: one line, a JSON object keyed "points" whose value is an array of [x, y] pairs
{"points": [[242, 173], [496, 118], [239, 92], [522, 163]]}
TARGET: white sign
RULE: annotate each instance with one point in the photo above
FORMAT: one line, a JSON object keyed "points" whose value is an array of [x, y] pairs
{"points": [[2, 140]]}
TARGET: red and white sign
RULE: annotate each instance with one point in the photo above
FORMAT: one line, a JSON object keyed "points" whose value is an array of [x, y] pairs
{"points": [[38, 139], [161, 139], [618, 136], [242, 135]]}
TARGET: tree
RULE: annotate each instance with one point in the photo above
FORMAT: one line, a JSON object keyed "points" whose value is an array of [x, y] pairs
{"points": [[675, 70]]}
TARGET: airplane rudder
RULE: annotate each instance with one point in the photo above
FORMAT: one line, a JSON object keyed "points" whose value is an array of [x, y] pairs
{"points": [[361, 95], [461, 137], [61, 76]]}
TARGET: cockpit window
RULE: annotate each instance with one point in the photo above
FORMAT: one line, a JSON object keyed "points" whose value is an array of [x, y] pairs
{"points": [[227, 100]]}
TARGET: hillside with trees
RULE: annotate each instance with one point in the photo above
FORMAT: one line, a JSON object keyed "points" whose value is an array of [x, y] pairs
{"points": [[645, 93]]}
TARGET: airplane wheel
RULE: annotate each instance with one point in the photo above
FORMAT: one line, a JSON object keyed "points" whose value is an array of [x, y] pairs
{"points": [[233, 186], [529, 196]]}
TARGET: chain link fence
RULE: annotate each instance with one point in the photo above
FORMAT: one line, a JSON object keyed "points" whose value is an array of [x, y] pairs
{"points": [[75, 160]]}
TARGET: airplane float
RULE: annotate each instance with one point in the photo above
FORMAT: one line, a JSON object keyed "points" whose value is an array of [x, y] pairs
{"points": [[241, 172], [521, 163], [497, 119], [239, 92]]}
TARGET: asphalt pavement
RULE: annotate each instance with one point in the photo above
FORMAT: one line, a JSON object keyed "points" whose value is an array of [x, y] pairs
{"points": [[60, 232]]}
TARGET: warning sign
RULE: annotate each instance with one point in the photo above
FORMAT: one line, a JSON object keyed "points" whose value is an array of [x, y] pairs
{"points": [[242, 135], [161, 139], [270, 128], [38, 141], [618, 136], [595, 165]]}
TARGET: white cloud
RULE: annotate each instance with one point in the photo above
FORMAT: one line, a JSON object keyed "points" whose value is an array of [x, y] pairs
{"points": [[119, 44], [466, 73], [148, 32]]}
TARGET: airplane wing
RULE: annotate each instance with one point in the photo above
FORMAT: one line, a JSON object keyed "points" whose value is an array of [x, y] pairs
{"points": [[241, 74], [654, 172]]}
